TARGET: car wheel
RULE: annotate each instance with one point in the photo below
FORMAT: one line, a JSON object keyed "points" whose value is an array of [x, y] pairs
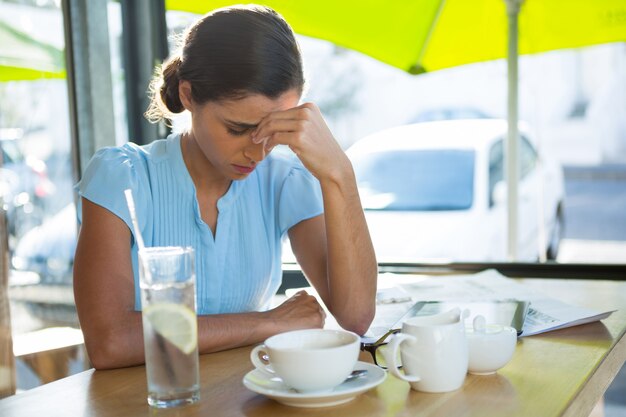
{"points": [[556, 235]]}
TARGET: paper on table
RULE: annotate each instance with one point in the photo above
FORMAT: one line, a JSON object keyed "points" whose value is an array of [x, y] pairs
{"points": [[545, 313]]}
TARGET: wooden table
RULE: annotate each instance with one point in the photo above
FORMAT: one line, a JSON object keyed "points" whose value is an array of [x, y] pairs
{"points": [[560, 373]]}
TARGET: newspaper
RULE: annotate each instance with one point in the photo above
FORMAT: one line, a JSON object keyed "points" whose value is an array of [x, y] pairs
{"points": [[545, 313]]}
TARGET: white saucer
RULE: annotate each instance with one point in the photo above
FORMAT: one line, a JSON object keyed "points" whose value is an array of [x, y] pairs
{"points": [[275, 388]]}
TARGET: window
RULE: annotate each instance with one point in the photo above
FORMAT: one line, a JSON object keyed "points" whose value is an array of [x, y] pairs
{"points": [[496, 168], [428, 180], [527, 157], [572, 164], [36, 186]]}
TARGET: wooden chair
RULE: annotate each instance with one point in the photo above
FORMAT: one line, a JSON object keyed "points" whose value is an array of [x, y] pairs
{"points": [[49, 352], [7, 360]]}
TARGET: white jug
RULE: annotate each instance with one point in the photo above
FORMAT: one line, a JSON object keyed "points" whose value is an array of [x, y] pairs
{"points": [[434, 352]]}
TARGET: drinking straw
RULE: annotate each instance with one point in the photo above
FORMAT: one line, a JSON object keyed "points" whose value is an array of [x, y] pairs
{"points": [[133, 216]]}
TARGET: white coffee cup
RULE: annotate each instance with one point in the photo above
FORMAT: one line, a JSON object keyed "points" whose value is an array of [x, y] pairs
{"points": [[314, 360], [434, 352]]}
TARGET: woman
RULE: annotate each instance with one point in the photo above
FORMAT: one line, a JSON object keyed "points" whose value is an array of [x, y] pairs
{"points": [[216, 188]]}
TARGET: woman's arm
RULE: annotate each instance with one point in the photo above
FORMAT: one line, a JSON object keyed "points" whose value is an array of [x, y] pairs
{"points": [[104, 292], [335, 250], [336, 255]]}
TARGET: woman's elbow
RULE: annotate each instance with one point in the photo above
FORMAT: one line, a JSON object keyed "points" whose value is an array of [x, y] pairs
{"points": [[108, 353], [358, 322], [102, 356], [100, 361]]}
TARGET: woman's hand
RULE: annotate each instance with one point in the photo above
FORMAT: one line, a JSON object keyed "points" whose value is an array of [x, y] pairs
{"points": [[304, 130], [301, 311]]}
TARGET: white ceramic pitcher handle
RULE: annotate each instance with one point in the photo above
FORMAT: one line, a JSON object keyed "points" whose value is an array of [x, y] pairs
{"points": [[263, 366], [391, 353]]}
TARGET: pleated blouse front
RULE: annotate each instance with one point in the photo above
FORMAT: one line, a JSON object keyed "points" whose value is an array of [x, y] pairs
{"points": [[238, 269]]}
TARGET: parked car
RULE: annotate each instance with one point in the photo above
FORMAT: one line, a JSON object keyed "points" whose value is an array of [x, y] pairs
{"points": [[24, 184], [436, 192], [49, 249]]}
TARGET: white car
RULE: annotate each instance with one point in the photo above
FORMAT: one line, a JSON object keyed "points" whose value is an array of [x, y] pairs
{"points": [[436, 192]]}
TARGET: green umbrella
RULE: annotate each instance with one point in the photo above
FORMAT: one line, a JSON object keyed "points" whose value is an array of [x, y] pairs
{"points": [[428, 35], [24, 58]]}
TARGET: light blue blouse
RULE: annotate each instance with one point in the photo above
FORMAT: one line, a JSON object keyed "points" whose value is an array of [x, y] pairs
{"points": [[239, 269]]}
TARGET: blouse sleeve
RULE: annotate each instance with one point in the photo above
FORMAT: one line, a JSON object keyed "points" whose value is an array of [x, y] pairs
{"points": [[300, 198], [111, 171]]}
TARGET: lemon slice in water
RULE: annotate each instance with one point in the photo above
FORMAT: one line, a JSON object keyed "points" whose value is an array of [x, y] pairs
{"points": [[176, 323]]}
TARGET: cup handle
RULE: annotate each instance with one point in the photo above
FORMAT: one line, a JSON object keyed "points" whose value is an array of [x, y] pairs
{"points": [[391, 353], [261, 364]]}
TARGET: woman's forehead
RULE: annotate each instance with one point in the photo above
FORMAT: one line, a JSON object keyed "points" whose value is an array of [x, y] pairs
{"points": [[253, 108]]}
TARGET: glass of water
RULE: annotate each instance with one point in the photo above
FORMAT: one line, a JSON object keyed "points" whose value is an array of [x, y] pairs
{"points": [[170, 329]]}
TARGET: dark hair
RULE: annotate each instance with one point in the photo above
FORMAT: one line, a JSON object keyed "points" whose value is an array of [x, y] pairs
{"points": [[228, 54]]}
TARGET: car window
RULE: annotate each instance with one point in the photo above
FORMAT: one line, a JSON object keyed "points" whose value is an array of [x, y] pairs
{"points": [[528, 156], [416, 180], [496, 167]]}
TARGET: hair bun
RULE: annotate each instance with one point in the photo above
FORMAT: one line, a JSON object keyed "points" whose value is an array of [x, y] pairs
{"points": [[169, 87]]}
